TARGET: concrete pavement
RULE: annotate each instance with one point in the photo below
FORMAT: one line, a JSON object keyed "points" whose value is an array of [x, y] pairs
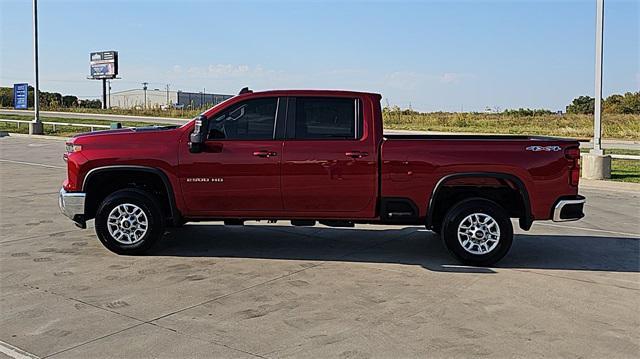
{"points": [[271, 290]]}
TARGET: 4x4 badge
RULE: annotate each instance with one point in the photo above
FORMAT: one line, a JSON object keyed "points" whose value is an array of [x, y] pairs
{"points": [[544, 148]]}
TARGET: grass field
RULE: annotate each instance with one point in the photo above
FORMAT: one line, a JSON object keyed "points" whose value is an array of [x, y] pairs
{"points": [[568, 125], [625, 171], [615, 126]]}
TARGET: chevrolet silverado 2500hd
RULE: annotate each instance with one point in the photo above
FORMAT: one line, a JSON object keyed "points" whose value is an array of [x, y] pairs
{"points": [[317, 156]]}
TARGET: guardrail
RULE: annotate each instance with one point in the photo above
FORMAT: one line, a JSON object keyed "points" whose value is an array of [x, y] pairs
{"points": [[92, 127], [625, 157]]}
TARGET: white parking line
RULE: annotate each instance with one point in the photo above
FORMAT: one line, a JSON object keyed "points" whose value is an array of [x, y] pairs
{"points": [[637, 235], [14, 352], [32, 164]]}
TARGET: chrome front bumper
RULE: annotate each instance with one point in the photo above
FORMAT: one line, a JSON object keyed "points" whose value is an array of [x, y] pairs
{"points": [[72, 205], [569, 209]]}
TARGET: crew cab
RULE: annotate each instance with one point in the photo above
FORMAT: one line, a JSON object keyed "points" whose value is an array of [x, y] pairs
{"points": [[312, 156]]}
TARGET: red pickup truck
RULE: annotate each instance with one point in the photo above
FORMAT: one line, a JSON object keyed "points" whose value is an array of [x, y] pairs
{"points": [[316, 156]]}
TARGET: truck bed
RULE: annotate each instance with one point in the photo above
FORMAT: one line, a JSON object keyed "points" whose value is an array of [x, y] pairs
{"points": [[475, 137], [412, 165]]}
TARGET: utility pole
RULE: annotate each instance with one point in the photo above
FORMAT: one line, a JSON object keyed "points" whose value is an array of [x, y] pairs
{"points": [[595, 165], [35, 127], [104, 94], [144, 87], [167, 87], [109, 89]]}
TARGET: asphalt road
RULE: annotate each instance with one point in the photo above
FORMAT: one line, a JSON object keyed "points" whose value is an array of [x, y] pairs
{"points": [[271, 290]]}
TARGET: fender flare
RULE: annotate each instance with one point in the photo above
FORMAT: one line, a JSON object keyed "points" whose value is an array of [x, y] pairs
{"points": [[525, 222], [171, 196]]}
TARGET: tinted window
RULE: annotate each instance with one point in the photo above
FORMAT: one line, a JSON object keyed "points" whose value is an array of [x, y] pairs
{"points": [[325, 118], [249, 120]]}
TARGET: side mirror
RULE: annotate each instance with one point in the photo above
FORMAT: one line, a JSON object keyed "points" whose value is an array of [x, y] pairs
{"points": [[199, 135]]}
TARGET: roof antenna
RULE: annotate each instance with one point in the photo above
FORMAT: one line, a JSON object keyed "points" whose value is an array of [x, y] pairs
{"points": [[244, 91]]}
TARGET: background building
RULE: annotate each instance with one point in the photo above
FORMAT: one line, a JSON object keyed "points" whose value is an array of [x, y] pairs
{"points": [[155, 98]]}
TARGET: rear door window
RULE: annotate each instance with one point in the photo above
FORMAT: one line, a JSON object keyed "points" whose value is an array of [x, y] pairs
{"points": [[318, 118]]}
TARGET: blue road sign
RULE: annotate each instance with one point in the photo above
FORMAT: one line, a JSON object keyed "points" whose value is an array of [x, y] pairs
{"points": [[20, 96]]}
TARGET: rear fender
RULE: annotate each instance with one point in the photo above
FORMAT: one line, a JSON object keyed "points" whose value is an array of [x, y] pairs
{"points": [[483, 178]]}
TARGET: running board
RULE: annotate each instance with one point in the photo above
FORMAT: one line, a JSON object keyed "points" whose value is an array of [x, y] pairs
{"points": [[399, 214]]}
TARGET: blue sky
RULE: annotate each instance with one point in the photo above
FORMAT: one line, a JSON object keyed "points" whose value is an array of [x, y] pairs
{"points": [[434, 55]]}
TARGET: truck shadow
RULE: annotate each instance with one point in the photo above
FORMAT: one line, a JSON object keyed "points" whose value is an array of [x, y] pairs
{"points": [[409, 246]]}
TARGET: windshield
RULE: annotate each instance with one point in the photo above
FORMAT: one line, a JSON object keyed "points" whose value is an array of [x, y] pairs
{"points": [[207, 110]]}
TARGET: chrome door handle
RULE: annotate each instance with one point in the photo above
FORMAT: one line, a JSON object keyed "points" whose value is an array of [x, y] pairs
{"points": [[356, 154], [265, 154]]}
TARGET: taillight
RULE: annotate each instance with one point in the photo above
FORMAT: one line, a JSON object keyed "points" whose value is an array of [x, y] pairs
{"points": [[573, 155], [71, 148]]}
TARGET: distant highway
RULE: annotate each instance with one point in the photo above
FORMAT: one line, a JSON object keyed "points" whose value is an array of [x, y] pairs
{"points": [[98, 116], [618, 144]]}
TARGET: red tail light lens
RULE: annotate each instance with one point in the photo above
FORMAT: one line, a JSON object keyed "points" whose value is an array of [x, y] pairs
{"points": [[573, 155]]}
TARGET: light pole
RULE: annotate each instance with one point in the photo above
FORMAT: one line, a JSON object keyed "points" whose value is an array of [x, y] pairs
{"points": [[597, 124], [595, 165], [144, 87], [35, 127]]}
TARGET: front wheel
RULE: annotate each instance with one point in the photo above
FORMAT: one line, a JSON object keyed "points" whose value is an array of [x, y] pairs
{"points": [[477, 232], [129, 221]]}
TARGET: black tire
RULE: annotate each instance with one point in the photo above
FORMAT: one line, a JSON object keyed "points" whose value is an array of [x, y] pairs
{"points": [[144, 240], [463, 212]]}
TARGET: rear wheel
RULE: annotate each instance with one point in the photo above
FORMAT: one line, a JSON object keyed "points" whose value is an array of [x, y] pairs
{"points": [[477, 232], [129, 221]]}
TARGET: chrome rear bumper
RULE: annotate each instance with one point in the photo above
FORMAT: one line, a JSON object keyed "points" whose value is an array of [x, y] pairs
{"points": [[569, 209], [72, 205]]}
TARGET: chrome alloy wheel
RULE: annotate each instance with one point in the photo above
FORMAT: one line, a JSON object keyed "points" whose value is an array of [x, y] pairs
{"points": [[127, 223], [478, 233]]}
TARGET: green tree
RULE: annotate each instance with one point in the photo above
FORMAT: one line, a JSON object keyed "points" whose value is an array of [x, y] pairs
{"points": [[582, 105], [6, 97], [69, 101], [90, 103], [631, 103], [613, 104], [522, 112]]}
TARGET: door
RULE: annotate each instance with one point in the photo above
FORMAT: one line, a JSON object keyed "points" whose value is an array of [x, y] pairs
{"points": [[329, 163], [239, 169]]}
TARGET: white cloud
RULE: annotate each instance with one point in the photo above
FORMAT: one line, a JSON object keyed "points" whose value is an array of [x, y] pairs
{"points": [[223, 71], [454, 77], [411, 80], [406, 80]]}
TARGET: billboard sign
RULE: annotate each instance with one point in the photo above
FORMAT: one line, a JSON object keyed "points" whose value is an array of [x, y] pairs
{"points": [[20, 96], [104, 64]]}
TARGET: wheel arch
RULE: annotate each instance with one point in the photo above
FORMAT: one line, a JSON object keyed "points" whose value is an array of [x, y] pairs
{"points": [[525, 220], [169, 193]]}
